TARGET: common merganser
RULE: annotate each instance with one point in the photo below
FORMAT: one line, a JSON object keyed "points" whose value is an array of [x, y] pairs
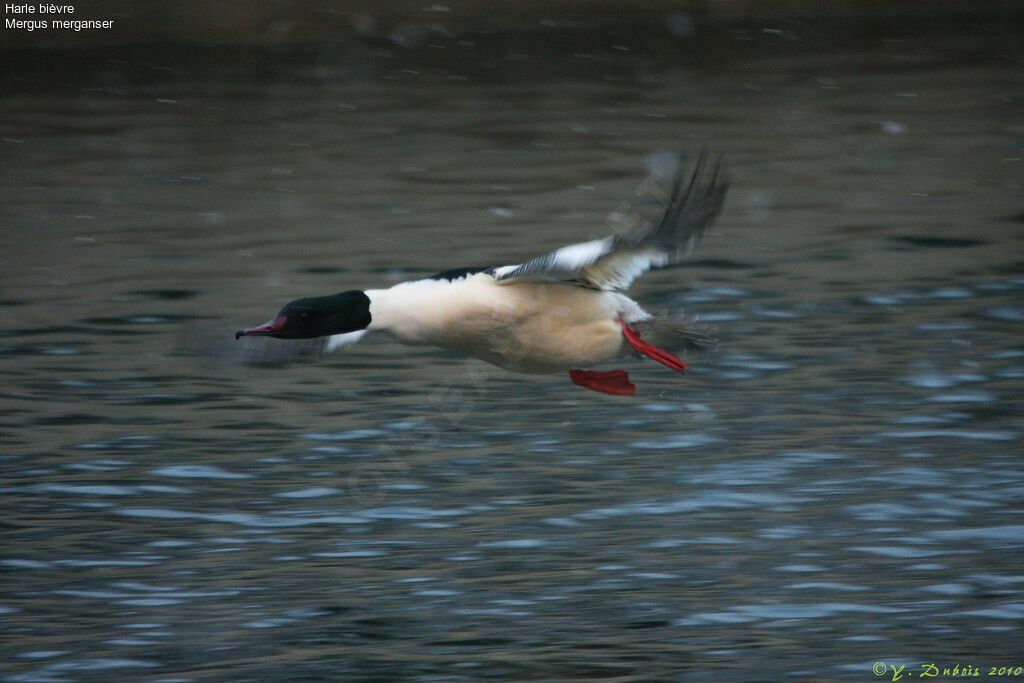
{"points": [[561, 311]]}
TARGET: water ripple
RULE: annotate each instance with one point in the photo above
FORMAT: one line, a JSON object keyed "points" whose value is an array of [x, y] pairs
{"points": [[951, 434], [705, 500], [743, 614], [198, 472]]}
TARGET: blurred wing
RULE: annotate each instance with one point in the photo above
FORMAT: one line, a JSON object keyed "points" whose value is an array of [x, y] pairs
{"points": [[613, 263], [567, 264]]}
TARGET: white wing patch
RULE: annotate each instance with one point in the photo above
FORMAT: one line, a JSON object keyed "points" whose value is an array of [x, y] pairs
{"points": [[580, 255], [618, 270], [337, 341], [559, 265]]}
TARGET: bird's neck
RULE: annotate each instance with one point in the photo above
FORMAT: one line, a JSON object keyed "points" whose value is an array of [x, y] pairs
{"points": [[389, 308]]}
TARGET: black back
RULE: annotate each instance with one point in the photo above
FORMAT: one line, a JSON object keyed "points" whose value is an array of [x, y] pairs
{"points": [[457, 273]]}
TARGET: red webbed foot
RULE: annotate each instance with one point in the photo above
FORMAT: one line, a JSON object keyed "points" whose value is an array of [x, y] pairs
{"points": [[615, 382], [653, 352]]}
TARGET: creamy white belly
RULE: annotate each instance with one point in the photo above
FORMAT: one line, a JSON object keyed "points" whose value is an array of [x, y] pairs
{"points": [[525, 327]]}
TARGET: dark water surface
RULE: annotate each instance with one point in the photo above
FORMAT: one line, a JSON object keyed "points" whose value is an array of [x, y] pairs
{"points": [[839, 483]]}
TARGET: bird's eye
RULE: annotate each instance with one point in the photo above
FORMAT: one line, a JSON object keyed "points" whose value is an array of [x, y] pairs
{"points": [[304, 316]]}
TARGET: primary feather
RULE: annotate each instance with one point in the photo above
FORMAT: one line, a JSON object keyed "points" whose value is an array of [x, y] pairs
{"points": [[614, 262]]}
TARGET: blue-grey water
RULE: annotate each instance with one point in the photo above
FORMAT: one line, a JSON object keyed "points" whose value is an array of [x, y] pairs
{"points": [[838, 483]]}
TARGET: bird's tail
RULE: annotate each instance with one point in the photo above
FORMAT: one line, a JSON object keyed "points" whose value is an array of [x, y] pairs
{"points": [[676, 331]]}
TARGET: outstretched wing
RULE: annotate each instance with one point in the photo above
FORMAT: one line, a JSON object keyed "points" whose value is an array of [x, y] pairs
{"points": [[613, 263]]}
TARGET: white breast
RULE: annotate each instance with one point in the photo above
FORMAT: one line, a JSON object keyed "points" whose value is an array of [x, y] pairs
{"points": [[525, 327]]}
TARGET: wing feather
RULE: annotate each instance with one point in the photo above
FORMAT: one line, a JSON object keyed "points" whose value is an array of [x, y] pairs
{"points": [[614, 262]]}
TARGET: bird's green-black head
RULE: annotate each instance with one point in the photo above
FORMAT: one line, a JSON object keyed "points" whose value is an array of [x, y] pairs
{"points": [[319, 316]]}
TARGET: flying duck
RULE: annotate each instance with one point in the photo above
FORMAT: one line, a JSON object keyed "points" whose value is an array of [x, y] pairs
{"points": [[562, 311]]}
